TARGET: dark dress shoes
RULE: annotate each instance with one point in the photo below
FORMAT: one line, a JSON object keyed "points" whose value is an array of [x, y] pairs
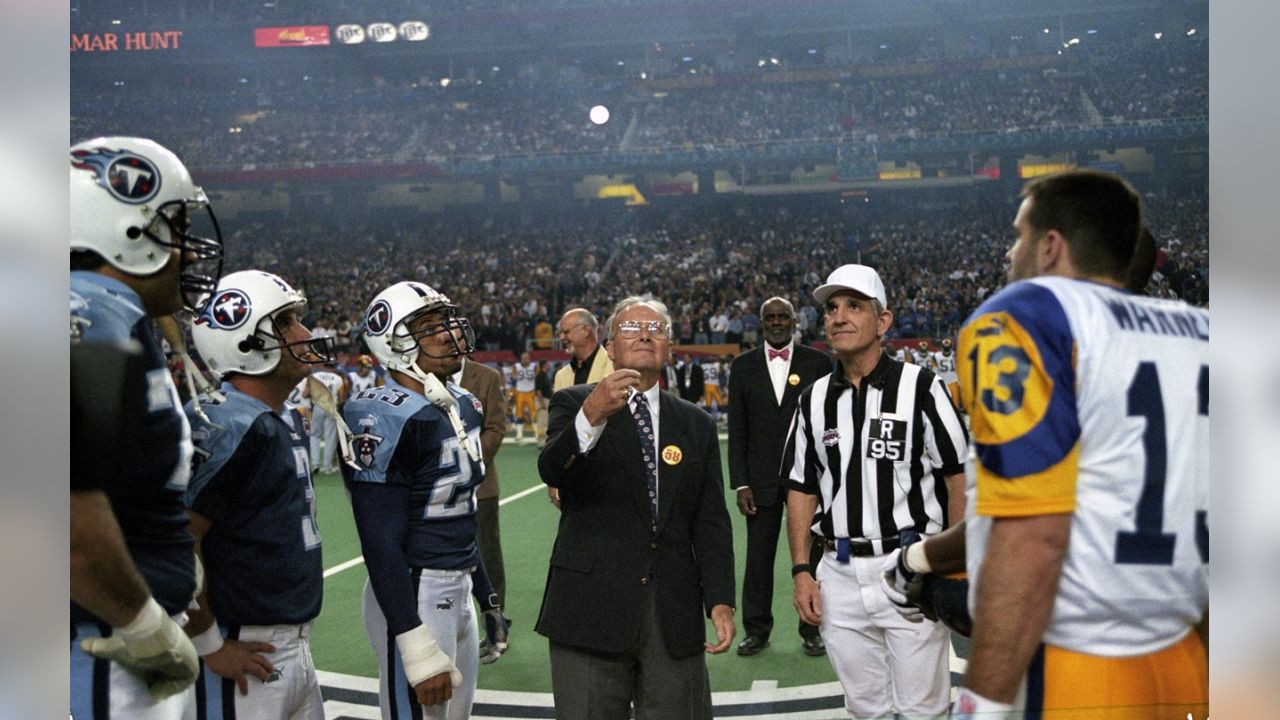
{"points": [[812, 646], [753, 644]]}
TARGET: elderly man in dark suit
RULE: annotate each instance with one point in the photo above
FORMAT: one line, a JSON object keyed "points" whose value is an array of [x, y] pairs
{"points": [[763, 386], [645, 547]]}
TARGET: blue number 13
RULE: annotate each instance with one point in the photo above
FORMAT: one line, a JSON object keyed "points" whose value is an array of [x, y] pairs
{"points": [[1148, 544]]}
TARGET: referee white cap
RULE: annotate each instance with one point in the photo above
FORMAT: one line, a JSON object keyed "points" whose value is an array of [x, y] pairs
{"points": [[858, 278]]}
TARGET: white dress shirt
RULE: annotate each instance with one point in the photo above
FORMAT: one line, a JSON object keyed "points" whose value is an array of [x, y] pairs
{"points": [[779, 368]]}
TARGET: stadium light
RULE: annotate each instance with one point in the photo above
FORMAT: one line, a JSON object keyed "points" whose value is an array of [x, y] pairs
{"points": [[444, 82], [1159, 35], [1191, 32], [599, 115]]}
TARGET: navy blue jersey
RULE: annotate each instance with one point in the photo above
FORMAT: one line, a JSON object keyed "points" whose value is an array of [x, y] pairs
{"points": [[149, 505], [251, 479], [402, 439]]}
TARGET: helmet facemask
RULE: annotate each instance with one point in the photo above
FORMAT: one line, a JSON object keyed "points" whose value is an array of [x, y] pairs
{"points": [[312, 351], [199, 257], [461, 336]]}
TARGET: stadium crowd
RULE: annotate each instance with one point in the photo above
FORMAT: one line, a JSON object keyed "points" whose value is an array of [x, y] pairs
{"points": [[713, 267], [377, 119]]}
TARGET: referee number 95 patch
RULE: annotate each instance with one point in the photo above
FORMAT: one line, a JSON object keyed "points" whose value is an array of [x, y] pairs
{"points": [[887, 438]]}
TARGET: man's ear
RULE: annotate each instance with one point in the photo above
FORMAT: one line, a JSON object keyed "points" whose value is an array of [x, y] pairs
{"points": [[883, 323], [1051, 251]]}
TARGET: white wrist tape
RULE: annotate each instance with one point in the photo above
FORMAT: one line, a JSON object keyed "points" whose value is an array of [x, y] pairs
{"points": [[208, 642], [971, 705], [422, 657], [916, 561], [146, 622]]}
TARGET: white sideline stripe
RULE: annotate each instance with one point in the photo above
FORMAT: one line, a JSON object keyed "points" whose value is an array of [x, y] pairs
{"points": [[357, 560], [522, 493], [761, 691], [344, 566]]}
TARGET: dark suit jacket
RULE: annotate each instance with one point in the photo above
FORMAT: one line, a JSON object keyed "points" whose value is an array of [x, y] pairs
{"points": [[691, 384], [486, 384], [606, 556], [758, 423]]}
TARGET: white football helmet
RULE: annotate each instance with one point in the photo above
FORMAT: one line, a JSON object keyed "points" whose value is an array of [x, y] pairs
{"points": [[236, 331], [132, 201], [386, 326]]}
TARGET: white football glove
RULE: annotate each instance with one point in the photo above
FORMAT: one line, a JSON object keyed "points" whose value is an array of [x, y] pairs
{"points": [[894, 578], [153, 647], [969, 705]]}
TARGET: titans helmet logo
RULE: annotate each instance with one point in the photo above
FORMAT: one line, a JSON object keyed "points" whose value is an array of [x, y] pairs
{"points": [[228, 310], [378, 319], [128, 177]]}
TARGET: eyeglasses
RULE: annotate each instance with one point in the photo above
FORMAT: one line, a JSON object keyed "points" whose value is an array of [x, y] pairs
{"points": [[631, 328]]}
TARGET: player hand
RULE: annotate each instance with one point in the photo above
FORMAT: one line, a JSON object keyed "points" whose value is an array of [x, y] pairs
{"points": [[894, 580], [434, 690], [153, 647], [236, 659], [722, 618], [496, 626], [553, 494], [610, 395], [808, 599], [746, 502]]}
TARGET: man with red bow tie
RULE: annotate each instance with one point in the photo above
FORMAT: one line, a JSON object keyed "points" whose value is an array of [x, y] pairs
{"points": [[763, 386]]}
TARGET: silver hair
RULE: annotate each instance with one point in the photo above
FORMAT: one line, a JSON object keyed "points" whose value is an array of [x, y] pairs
{"points": [[657, 305], [790, 308], [585, 316]]}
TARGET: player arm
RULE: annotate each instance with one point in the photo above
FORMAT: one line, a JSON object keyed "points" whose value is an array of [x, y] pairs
{"points": [[104, 579], [1017, 584]]}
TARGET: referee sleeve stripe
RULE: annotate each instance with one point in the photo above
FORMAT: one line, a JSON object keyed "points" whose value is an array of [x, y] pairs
{"points": [[948, 430]]}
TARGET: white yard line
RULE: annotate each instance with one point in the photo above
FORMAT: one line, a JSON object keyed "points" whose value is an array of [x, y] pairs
{"points": [[358, 560]]}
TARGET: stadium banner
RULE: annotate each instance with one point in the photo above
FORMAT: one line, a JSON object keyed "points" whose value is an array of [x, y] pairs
{"points": [[140, 40], [291, 36]]}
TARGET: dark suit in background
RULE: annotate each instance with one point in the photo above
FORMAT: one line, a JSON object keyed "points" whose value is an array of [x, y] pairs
{"points": [[486, 384], [691, 383], [615, 590], [758, 426]]}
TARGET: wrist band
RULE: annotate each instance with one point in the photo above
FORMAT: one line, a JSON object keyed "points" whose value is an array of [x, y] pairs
{"points": [[209, 641], [802, 568]]}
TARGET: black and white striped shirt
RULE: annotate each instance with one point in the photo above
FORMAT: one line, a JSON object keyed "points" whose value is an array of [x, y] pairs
{"points": [[876, 456]]}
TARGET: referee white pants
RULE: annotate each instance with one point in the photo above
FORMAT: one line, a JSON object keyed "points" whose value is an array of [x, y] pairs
{"points": [[444, 604], [292, 695], [885, 663], [323, 428], [102, 690]]}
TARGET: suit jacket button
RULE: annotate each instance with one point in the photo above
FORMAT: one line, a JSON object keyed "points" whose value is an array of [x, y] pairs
{"points": [[644, 580], [653, 546]]}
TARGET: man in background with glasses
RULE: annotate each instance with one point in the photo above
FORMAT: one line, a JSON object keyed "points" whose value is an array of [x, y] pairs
{"points": [[644, 550], [578, 332]]}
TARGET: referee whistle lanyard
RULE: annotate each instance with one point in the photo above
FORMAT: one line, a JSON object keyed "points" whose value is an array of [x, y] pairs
{"points": [[842, 550], [323, 398]]}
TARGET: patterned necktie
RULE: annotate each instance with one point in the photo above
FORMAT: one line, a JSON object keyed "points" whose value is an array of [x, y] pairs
{"points": [[644, 424], [784, 353]]}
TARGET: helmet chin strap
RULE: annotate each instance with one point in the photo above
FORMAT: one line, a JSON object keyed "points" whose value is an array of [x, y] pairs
{"points": [[436, 392], [197, 383], [321, 396]]}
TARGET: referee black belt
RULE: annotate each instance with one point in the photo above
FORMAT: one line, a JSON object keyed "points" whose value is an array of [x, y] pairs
{"points": [[862, 548]]}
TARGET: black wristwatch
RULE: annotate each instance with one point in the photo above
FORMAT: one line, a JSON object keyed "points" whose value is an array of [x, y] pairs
{"points": [[802, 568]]}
